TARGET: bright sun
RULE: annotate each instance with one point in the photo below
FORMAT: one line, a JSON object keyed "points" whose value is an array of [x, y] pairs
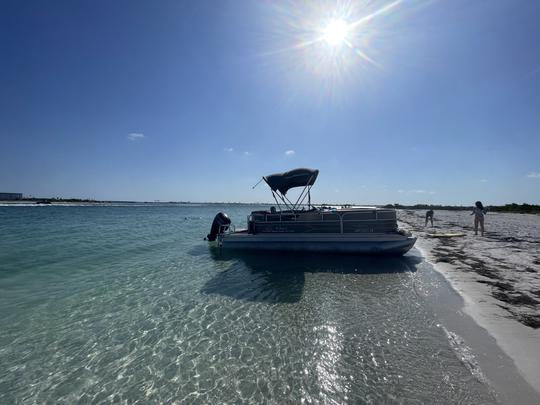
{"points": [[335, 33]]}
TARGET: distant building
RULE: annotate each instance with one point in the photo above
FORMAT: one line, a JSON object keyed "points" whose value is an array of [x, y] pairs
{"points": [[10, 196]]}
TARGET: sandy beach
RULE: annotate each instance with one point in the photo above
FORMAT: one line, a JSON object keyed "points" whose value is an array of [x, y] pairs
{"points": [[498, 275]]}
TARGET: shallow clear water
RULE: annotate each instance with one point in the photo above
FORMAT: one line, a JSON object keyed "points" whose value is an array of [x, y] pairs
{"points": [[102, 304]]}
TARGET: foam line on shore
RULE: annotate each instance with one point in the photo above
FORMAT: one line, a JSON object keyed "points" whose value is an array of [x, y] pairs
{"points": [[479, 348], [518, 341]]}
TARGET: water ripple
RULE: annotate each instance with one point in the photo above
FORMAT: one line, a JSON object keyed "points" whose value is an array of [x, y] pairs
{"points": [[127, 304]]}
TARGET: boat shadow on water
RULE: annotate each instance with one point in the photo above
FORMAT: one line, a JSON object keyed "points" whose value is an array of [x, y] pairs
{"points": [[279, 277]]}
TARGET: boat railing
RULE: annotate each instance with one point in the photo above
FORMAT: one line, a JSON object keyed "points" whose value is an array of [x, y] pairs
{"points": [[225, 229], [344, 218], [279, 217]]}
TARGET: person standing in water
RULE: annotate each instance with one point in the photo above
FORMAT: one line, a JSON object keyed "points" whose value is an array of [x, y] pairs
{"points": [[429, 216], [478, 212]]}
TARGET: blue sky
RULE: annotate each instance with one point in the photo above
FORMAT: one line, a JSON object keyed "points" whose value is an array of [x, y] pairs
{"points": [[434, 101]]}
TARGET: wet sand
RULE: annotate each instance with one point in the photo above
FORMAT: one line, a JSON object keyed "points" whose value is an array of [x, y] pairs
{"points": [[498, 275]]}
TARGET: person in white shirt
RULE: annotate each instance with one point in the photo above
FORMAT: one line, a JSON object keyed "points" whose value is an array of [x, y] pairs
{"points": [[478, 212]]}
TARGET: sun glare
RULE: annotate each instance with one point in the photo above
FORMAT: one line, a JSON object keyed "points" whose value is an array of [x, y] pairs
{"points": [[335, 33], [335, 41]]}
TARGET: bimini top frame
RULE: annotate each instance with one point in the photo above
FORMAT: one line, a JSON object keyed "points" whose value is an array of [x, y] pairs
{"points": [[280, 183]]}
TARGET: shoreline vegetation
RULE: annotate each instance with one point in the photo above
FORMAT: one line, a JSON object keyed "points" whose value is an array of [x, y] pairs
{"points": [[510, 208], [523, 208]]}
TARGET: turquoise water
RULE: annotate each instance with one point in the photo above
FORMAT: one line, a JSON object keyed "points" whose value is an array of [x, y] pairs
{"points": [[128, 303]]}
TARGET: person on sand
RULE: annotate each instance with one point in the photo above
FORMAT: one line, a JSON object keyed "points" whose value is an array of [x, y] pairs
{"points": [[429, 216], [478, 212]]}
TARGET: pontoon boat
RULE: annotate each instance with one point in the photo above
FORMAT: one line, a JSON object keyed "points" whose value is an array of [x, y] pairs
{"points": [[304, 227]]}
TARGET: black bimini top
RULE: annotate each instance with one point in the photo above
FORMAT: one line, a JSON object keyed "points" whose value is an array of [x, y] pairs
{"points": [[282, 182]]}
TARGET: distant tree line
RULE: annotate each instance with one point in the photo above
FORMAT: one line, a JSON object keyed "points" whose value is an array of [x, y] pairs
{"points": [[517, 208], [59, 199], [428, 207], [520, 208]]}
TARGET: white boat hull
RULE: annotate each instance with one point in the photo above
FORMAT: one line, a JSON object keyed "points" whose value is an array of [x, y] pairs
{"points": [[371, 243]]}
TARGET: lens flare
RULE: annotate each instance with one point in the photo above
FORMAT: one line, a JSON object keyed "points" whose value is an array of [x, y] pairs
{"points": [[335, 33], [337, 42]]}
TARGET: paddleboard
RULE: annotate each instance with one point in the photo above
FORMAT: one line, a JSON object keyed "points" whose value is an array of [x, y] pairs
{"points": [[445, 235]]}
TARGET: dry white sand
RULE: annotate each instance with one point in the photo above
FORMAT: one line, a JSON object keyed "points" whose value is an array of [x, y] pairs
{"points": [[498, 276]]}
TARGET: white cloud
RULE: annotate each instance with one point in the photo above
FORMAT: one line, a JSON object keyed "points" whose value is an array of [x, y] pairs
{"points": [[246, 153], [534, 175], [290, 152], [135, 136], [416, 191], [483, 180], [228, 149]]}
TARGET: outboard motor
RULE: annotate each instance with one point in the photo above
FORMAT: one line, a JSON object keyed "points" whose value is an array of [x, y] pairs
{"points": [[221, 223]]}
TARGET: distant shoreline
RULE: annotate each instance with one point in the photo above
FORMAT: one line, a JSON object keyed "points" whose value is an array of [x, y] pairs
{"points": [[510, 208], [54, 201]]}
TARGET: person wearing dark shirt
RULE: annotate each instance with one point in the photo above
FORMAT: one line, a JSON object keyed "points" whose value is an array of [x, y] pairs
{"points": [[429, 217]]}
